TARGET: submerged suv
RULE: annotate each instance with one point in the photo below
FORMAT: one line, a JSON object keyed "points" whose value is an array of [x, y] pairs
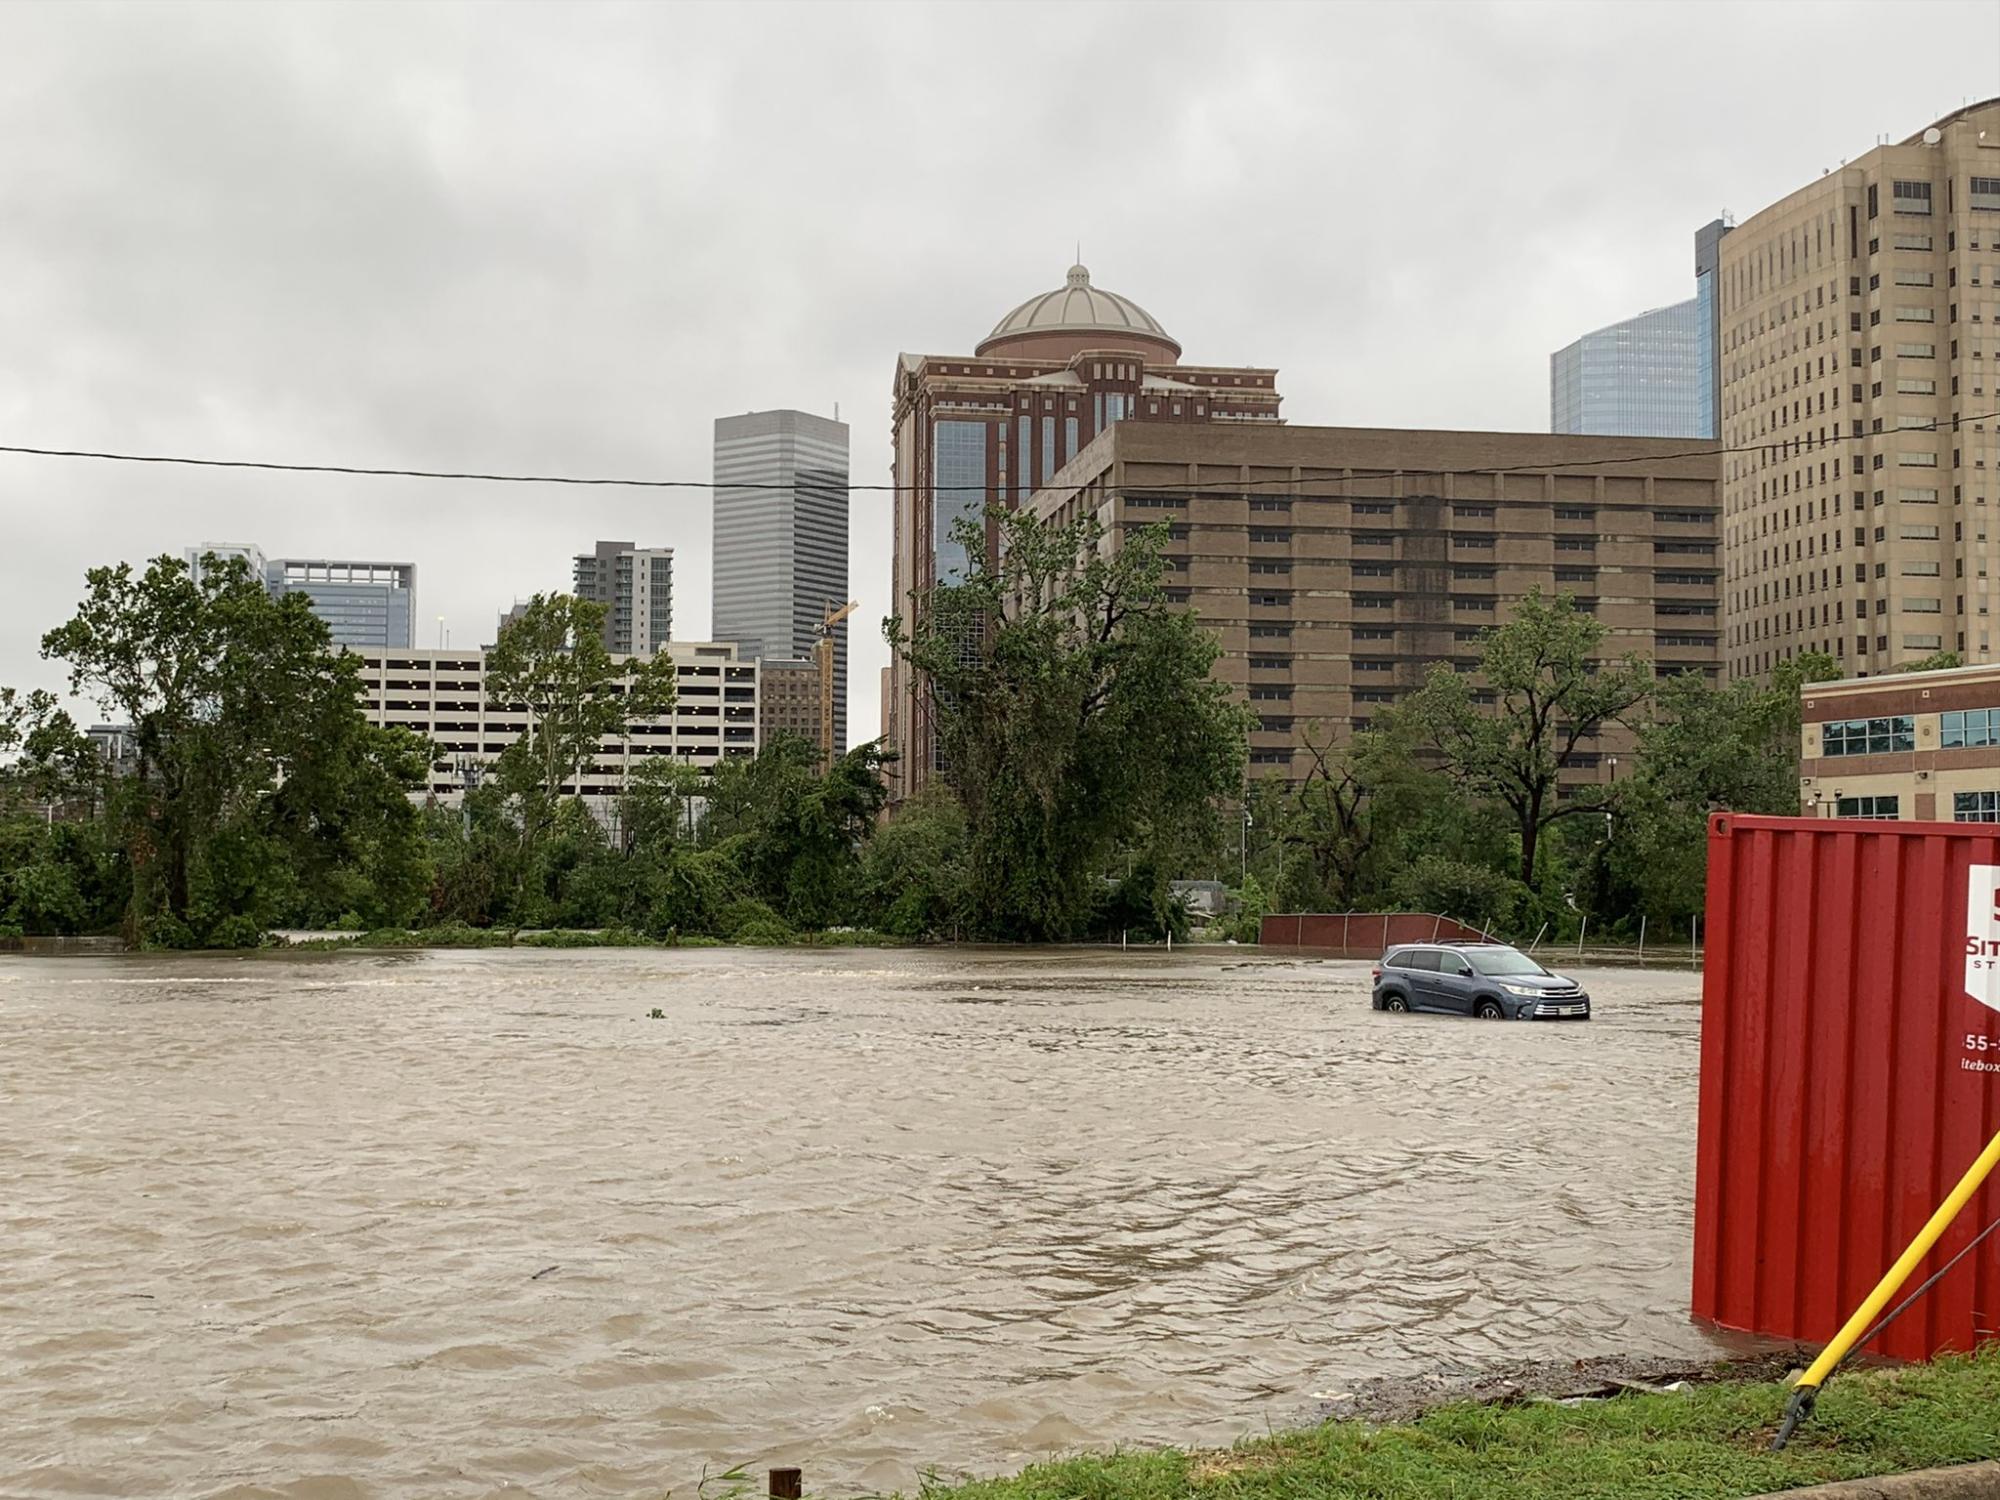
{"points": [[1489, 980]]}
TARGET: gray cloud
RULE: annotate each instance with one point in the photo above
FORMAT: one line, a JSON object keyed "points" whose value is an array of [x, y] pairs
{"points": [[564, 237]]}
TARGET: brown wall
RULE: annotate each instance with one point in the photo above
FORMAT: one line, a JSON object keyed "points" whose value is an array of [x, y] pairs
{"points": [[1335, 565]]}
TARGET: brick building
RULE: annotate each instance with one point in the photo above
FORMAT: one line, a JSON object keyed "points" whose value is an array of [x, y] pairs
{"points": [[1922, 745], [974, 431], [788, 701], [1336, 564]]}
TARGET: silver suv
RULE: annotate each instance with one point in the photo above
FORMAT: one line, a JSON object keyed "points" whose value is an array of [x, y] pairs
{"points": [[1489, 980]]}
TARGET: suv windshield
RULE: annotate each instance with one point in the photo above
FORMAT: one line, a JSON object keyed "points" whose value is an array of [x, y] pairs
{"points": [[1498, 961]]}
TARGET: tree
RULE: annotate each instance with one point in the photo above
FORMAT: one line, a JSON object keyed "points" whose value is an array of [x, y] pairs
{"points": [[552, 663], [252, 754], [915, 868], [1074, 712], [1353, 796], [1706, 749], [1549, 693], [795, 833], [44, 757]]}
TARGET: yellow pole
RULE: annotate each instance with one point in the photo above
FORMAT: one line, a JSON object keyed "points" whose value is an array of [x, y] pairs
{"points": [[1806, 1388], [1866, 1314]]}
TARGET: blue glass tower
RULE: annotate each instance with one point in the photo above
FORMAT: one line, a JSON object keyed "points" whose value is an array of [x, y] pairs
{"points": [[1644, 377]]}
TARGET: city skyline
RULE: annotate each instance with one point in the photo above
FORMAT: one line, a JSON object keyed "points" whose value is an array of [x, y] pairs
{"points": [[396, 338]]}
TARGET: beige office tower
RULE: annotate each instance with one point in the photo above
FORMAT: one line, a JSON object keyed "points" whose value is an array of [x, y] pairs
{"points": [[1857, 351]]}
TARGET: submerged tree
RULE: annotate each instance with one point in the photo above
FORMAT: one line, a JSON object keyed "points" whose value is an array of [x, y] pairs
{"points": [[256, 777], [1074, 711]]}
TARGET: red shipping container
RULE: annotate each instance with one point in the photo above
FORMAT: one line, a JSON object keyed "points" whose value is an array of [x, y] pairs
{"points": [[1850, 1073]]}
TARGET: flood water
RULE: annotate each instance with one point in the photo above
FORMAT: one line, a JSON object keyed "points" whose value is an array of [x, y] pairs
{"points": [[475, 1224]]}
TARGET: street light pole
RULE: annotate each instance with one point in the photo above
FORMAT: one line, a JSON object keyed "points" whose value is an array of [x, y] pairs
{"points": [[1243, 852]]}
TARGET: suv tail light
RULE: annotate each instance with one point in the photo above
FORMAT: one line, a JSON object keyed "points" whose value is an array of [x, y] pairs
{"points": [[1376, 972]]}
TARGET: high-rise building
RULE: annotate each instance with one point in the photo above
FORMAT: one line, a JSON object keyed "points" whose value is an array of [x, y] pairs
{"points": [[989, 429], [787, 700], [440, 693], [1708, 310], [781, 538], [1335, 565], [636, 587], [251, 554], [1638, 378], [1860, 330], [362, 603]]}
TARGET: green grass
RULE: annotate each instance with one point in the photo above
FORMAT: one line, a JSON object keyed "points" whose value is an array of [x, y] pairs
{"points": [[1708, 1443]]}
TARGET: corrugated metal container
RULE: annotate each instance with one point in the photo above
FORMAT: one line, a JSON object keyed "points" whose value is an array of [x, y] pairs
{"points": [[1359, 934], [1850, 1073]]}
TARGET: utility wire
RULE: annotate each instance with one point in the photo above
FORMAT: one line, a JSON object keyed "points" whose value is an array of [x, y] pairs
{"points": [[1219, 486]]}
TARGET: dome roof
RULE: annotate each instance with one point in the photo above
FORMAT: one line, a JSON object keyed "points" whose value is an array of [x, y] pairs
{"points": [[1077, 307]]}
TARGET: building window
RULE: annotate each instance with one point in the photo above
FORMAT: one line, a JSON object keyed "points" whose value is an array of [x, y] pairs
{"points": [[1880, 809], [1986, 194], [1868, 736], [1048, 448], [958, 484], [1976, 726], [1975, 807], [1069, 438], [1915, 351], [1916, 315], [1911, 197]]}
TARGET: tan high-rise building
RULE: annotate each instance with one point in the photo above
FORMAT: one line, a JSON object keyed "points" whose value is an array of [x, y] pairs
{"points": [[1859, 353], [989, 428], [1336, 564]]}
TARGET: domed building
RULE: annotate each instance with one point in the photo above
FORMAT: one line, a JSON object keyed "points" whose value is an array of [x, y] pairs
{"points": [[1078, 316], [990, 428]]}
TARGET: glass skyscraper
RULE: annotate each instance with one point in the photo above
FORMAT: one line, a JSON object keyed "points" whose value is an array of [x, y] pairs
{"points": [[1644, 377], [363, 603], [781, 539]]}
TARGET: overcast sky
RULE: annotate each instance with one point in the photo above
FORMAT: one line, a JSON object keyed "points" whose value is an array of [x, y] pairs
{"points": [[563, 238]]}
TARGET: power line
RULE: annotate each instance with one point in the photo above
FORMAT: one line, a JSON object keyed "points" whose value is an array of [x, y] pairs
{"points": [[1193, 487]]}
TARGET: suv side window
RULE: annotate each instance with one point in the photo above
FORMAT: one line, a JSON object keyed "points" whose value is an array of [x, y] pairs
{"points": [[1420, 959], [1455, 963]]}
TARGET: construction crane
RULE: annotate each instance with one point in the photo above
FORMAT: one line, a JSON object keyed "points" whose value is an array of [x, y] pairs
{"points": [[823, 655]]}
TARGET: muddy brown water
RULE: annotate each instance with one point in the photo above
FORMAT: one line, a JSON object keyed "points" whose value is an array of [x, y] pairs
{"points": [[473, 1224]]}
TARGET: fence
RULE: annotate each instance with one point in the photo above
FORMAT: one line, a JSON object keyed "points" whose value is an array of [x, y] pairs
{"points": [[1359, 934]]}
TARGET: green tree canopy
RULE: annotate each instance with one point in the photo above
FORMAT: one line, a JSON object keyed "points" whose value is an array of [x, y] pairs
{"points": [[552, 663], [257, 775], [1075, 714], [1549, 694]]}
